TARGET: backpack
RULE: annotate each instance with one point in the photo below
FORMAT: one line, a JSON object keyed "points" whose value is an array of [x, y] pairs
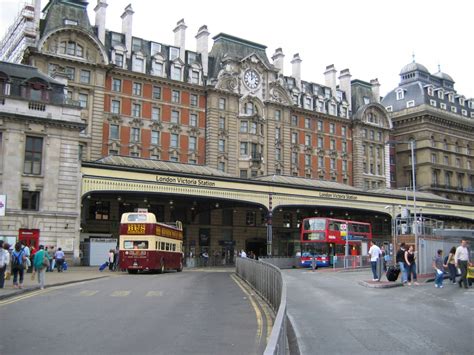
{"points": [[17, 259]]}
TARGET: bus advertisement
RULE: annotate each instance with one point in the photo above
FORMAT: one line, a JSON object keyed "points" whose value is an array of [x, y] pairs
{"points": [[147, 245], [322, 239]]}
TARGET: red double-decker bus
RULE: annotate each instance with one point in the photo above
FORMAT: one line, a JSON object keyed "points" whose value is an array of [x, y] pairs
{"points": [[147, 245], [324, 238]]}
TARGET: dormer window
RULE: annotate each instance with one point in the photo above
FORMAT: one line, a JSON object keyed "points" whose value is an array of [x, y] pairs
{"points": [[461, 101], [157, 68], [332, 109], [430, 90], [295, 99], [155, 48], [451, 97], [400, 94], [441, 94], [138, 62], [308, 103], [176, 72], [71, 48], [174, 53], [320, 106]]}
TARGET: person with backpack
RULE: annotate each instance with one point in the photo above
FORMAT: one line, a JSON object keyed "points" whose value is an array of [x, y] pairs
{"points": [[18, 269]]}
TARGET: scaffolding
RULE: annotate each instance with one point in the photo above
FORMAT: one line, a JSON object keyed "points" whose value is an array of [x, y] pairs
{"points": [[20, 35]]}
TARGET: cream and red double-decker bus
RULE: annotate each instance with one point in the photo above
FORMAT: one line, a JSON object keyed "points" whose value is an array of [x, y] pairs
{"points": [[147, 245]]}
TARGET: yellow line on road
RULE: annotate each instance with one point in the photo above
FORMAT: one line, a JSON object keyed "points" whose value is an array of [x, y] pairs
{"points": [[23, 297], [258, 314]]}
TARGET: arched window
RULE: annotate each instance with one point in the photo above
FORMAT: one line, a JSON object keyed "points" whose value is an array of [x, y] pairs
{"points": [[249, 108], [71, 48]]}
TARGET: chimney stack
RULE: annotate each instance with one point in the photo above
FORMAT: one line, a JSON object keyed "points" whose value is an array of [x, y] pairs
{"points": [[202, 47], [180, 38], [127, 22], [37, 17], [345, 85], [375, 89], [330, 76], [100, 11], [277, 58], [296, 69]]}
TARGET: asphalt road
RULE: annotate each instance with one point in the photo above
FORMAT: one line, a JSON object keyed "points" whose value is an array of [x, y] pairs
{"points": [[333, 314], [174, 313]]}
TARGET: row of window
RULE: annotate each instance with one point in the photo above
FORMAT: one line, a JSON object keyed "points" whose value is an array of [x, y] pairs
{"points": [[137, 90], [446, 161], [456, 147], [115, 108], [135, 137], [435, 174]]}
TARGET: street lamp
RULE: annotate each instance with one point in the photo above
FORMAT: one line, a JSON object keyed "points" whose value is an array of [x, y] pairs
{"points": [[412, 148]]}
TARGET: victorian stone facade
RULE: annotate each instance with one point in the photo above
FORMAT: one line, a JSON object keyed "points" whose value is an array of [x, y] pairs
{"points": [[39, 157], [426, 108]]}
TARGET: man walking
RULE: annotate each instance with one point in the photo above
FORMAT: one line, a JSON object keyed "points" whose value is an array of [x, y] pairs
{"points": [[400, 259], [461, 260], [374, 253]]}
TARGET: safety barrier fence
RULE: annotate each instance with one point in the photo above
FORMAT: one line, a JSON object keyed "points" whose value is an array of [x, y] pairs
{"points": [[268, 281]]}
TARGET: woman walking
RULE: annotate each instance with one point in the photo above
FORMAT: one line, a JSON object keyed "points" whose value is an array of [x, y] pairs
{"points": [[451, 265], [411, 265], [41, 263], [18, 260]]}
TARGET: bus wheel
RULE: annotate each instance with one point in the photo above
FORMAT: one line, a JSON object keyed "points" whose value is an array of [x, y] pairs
{"points": [[131, 271], [162, 267], [180, 266]]}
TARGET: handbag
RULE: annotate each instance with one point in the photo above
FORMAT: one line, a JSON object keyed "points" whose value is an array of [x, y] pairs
{"points": [[45, 262]]}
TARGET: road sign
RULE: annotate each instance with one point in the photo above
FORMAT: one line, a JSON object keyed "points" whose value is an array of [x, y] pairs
{"points": [[344, 227]]}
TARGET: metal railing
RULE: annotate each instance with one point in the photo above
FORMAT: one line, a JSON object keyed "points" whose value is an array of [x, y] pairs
{"points": [[268, 281]]}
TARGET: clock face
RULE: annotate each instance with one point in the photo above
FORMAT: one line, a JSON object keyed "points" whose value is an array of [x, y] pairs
{"points": [[251, 79]]}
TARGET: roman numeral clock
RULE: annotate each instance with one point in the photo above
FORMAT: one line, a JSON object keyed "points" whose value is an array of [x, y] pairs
{"points": [[251, 79]]}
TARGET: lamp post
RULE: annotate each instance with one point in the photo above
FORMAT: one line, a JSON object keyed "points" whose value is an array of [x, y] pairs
{"points": [[412, 149]]}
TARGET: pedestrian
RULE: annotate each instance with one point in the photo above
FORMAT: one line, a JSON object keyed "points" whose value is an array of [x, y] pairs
{"points": [[116, 258], [400, 259], [40, 265], [461, 259], [439, 268], [51, 253], [111, 259], [27, 262], [450, 261], [18, 265], [243, 254], [3, 263], [383, 255], [374, 253], [410, 265], [59, 258], [205, 257]]}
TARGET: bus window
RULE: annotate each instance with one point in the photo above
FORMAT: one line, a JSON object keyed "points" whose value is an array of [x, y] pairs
{"points": [[167, 246], [157, 245], [334, 226], [313, 224], [136, 217], [135, 244], [162, 246], [174, 247]]}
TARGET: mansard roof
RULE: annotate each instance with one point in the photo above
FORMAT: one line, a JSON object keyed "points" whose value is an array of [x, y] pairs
{"points": [[25, 73], [227, 46]]}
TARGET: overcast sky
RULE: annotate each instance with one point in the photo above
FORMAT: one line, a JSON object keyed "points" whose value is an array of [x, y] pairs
{"points": [[373, 38]]}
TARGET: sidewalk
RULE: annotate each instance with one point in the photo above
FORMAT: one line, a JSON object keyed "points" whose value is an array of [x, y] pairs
{"points": [[72, 275]]}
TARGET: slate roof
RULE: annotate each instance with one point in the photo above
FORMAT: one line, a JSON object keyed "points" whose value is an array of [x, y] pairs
{"points": [[161, 165], [25, 72], [233, 47]]}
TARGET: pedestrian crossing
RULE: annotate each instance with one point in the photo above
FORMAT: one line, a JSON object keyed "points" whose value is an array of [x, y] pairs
{"points": [[118, 293]]}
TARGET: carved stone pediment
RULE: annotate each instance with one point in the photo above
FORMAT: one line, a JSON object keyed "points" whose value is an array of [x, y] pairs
{"points": [[136, 121], [228, 81], [278, 93], [175, 128]]}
